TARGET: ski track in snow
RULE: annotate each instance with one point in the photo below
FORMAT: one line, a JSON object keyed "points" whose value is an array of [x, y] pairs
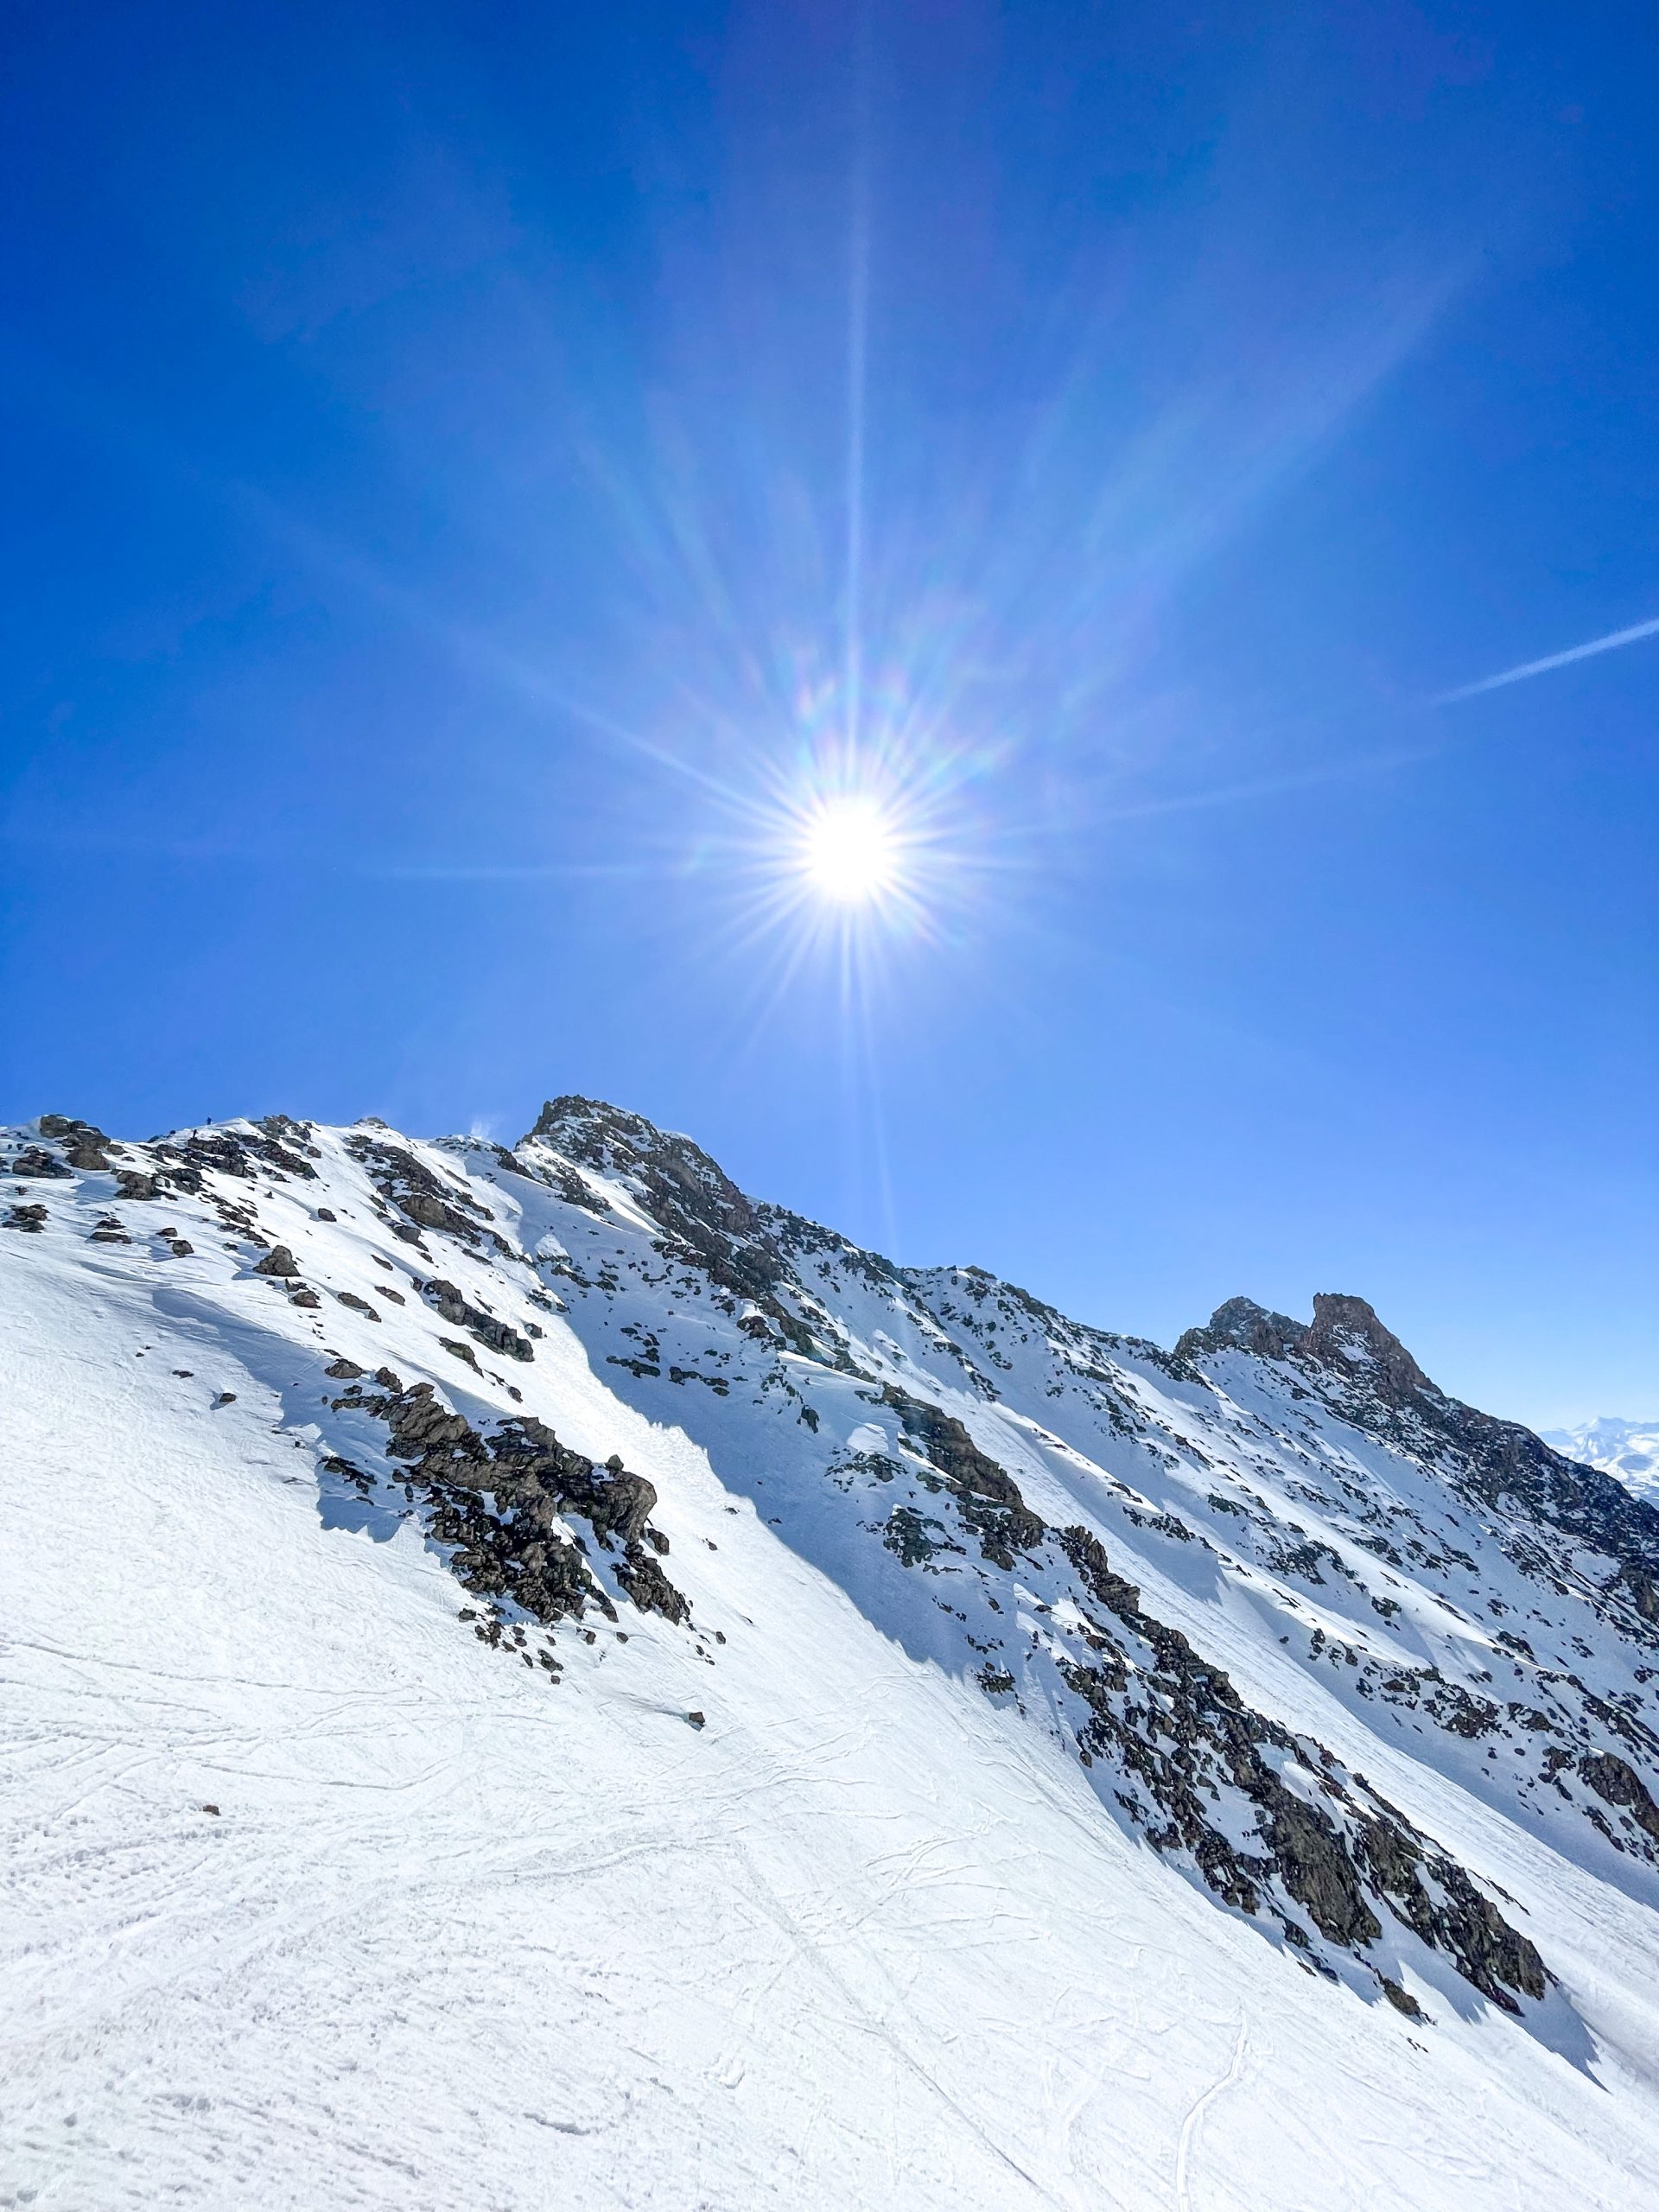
{"points": [[871, 1937], [1189, 2125]]}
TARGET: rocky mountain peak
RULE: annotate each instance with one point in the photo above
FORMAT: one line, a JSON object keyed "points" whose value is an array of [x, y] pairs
{"points": [[1344, 1337], [1240, 1325], [1346, 1329], [1364, 1372], [705, 1216], [620, 1143]]}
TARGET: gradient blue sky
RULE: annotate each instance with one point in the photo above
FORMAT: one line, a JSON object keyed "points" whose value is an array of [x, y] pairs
{"points": [[437, 437]]}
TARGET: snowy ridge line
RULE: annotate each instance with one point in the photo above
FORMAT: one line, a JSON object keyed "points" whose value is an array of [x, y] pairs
{"points": [[620, 1408]]}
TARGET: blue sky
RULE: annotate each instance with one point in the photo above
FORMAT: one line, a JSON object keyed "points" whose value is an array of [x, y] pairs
{"points": [[470, 468]]}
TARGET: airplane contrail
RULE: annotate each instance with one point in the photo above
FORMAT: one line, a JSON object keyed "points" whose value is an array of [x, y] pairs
{"points": [[1606, 645]]}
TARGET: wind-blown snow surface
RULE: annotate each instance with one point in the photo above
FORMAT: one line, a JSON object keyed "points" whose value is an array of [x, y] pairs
{"points": [[470, 1925]]}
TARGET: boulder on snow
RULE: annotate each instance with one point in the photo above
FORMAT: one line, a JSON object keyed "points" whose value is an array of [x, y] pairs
{"points": [[36, 1163]]}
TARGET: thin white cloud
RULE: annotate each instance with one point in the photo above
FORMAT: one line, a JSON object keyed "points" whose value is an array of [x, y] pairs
{"points": [[1607, 645]]}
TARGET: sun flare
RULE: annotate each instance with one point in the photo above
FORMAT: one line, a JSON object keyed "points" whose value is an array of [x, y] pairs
{"points": [[851, 851]]}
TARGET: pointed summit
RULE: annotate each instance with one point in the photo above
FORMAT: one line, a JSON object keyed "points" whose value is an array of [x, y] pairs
{"points": [[1344, 1335], [706, 1219], [1345, 1331], [1240, 1325]]}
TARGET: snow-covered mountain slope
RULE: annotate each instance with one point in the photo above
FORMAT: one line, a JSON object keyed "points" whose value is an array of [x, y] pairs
{"points": [[532, 1676], [1628, 1449]]}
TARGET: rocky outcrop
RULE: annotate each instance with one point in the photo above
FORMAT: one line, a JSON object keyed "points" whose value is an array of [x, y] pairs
{"points": [[279, 1262], [986, 1494], [1345, 1332], [34, 1163], [1344, 1335], [246, 1152], [1195, 1757], [500, 1497], [1616, 1782], [84, 1148], [425, 1199], [706, 1221], [1178, 1726], [495, 1335], [1241, 1324], [1365, 1373]]}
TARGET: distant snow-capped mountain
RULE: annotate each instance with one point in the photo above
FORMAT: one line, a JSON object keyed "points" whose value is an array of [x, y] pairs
{"points": [[537, 1676], [1628, 1449]]}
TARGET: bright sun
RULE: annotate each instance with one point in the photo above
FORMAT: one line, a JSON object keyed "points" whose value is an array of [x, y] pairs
{"points": [[850, 851]]}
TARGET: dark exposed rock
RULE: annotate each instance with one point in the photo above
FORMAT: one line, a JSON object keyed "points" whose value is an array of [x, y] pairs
{"points": [[1496, 1957], [84, 1147], [36, 1163], [986, 1495], [1241, 1324], [209, 1151], [277, 1135], [1314, 1864], [1345, 1329], [1402, 1999], [914, 1538], [706, 1221], [242, 1153], [611, 1500], [1339, 1864], [1635, 1579], [343, 1369], [134, 1182], [349, 1298], [279, 1260], [1344, 1333], [1617, 1784], [649, 1587], [30, 1219], [426, 1211], [499, 1498], [495, 1335], [426, 1199]]}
